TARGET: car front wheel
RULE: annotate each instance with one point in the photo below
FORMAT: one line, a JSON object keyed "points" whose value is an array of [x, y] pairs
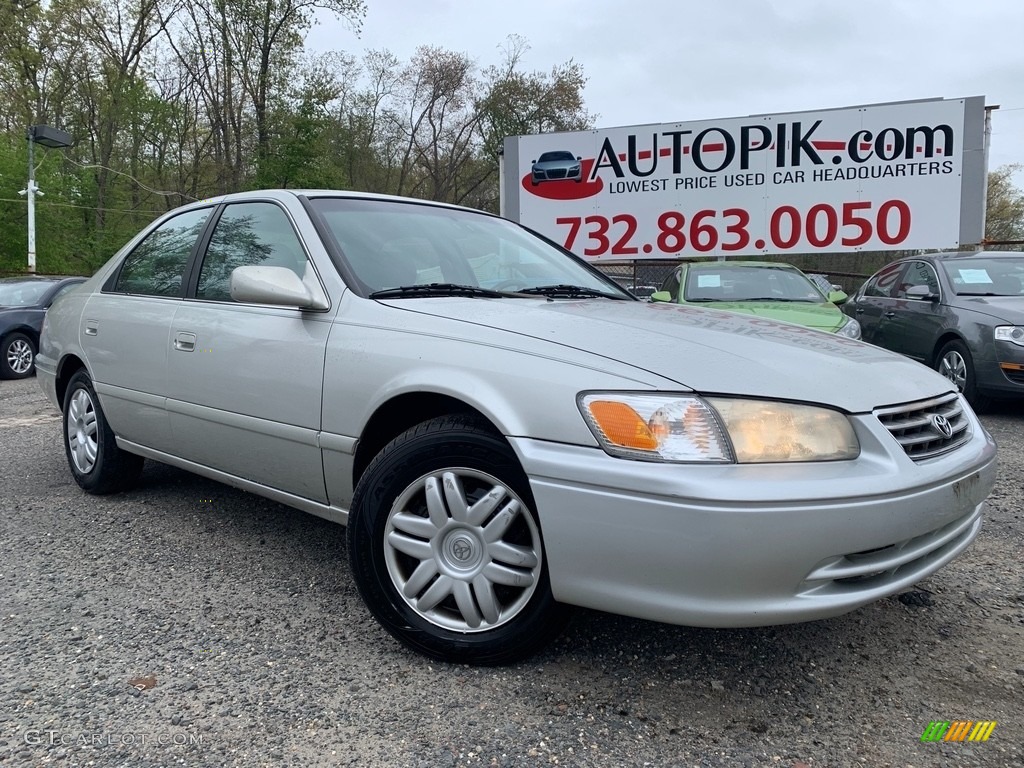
{"points": [[17, 357], [446, 548], [96, 462], [954, 361]]}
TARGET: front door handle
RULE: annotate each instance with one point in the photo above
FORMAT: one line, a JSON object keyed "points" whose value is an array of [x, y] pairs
{"points": [[185, 342], [859, 311], [890, 314]]}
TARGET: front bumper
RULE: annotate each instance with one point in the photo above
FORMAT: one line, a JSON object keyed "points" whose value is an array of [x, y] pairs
{"points": [[753, 545]]}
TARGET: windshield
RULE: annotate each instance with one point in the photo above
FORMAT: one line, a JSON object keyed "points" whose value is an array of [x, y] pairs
{"points": [[550, 157], [390, 244], [22, 293], [749, 283], [986, 276]]}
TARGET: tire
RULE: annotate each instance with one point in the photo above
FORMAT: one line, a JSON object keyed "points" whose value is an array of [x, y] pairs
{"points": [[446, 549], [954, 361], [17, 357], [96, 463]]}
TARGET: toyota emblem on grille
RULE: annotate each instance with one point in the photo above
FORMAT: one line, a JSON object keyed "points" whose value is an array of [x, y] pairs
{"points": [[941, 425]]}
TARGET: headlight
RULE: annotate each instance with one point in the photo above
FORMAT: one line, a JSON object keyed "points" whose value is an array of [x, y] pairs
{"points": [[687, 428], [850, 329], [1011, 333]]}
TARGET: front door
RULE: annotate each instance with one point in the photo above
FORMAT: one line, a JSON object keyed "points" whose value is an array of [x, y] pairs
{"points": [[245, 381]]}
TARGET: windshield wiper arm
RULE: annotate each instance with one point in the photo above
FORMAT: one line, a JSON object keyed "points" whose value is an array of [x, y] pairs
{"points": [[570, 291], [440, 289]]}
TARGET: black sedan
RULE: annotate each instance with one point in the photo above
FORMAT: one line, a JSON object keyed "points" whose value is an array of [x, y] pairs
{"points": [[961, 313], [23, 305]]}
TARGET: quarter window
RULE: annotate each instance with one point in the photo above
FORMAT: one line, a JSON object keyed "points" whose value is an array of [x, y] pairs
{"points": [[248, 234], [157, 265]]}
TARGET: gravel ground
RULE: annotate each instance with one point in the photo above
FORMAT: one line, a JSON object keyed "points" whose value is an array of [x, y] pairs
{"points": [[188, 623]]}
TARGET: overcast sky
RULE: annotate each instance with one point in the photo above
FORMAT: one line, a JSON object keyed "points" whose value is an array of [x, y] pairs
{"points": [[660, 61]]}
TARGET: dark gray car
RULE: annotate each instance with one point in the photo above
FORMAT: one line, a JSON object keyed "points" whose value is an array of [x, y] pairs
{"points": [[961, 313], [23, 304]]}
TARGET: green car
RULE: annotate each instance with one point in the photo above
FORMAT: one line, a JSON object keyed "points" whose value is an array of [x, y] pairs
{"points": [[767, 289]]}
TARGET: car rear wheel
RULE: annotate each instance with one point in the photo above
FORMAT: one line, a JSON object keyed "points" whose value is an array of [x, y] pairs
{"points": [[954, 361], [446, 548], [96, 462], [17, 357]]}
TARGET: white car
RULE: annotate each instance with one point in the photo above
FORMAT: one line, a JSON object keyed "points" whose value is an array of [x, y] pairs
{"points": [[504, 430]]}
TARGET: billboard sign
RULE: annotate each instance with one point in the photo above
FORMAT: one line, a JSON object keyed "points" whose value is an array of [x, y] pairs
{"points": [[895, 176]]}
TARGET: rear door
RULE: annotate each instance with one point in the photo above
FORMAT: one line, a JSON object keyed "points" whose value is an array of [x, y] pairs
{"points": [[126, 329], [245, 381], [874, 305]]}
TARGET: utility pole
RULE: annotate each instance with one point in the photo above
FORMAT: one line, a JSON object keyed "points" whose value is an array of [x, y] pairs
{"points": [[48, 137]]}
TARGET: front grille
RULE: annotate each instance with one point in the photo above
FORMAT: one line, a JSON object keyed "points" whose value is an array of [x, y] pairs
{"points": [[914, 426], [557, 173]]}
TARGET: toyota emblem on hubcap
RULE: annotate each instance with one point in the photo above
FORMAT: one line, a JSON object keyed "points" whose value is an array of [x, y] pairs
{"points": [[461, 550], [941, 425]]}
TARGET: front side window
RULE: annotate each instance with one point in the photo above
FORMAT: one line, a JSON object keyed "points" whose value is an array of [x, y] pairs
{"points": [[918, 273], [671, 284], [884, 284], [248, 234], [156, 266]]}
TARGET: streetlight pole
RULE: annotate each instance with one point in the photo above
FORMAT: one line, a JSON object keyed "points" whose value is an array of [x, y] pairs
{"points": [[31, 190], [48, 137]]}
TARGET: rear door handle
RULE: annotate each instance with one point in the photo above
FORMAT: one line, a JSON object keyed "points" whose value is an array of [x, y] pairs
{"points": [[859, 311], [185, 342], [92, 327], [890, 314]]}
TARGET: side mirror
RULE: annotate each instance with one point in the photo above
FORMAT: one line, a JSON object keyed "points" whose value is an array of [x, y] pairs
{"points": [[661, 296], [837, 297], [921, 293], [271, 285]]}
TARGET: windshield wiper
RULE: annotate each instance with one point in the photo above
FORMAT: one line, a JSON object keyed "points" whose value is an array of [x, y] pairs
{"points": [[570, 291], [441, 289], [773, 298]]}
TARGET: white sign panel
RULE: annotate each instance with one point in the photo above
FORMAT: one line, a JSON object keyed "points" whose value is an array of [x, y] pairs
{"points": [[902, 176]]}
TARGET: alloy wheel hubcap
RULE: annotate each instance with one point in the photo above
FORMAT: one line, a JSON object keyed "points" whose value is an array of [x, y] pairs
{"points": [[463, 550], [954, 368], [19, 356], [81, 429]]}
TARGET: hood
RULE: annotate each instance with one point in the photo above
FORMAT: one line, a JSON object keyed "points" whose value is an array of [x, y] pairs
{"points": [[1009, 309], [825, 316], [706, 350]]}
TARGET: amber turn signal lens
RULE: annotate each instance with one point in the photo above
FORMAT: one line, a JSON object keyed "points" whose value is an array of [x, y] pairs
{"points": [[622, 425]]}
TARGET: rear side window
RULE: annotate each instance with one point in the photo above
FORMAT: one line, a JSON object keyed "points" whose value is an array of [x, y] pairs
{"points": [[248, 234], [157, 265]]}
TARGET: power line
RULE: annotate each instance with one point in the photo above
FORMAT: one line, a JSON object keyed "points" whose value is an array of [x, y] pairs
{"points": [[83, 207], [129, 176]]}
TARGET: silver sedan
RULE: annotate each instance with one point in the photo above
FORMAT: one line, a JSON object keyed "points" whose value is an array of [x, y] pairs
{"points": [[504, 430]]}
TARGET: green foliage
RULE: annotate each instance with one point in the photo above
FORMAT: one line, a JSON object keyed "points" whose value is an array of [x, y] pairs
{"points": [[1004, 212], [173, 102]]}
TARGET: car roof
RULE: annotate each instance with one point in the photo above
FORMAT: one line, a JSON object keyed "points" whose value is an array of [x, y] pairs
{"points": [[278, 194]]}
